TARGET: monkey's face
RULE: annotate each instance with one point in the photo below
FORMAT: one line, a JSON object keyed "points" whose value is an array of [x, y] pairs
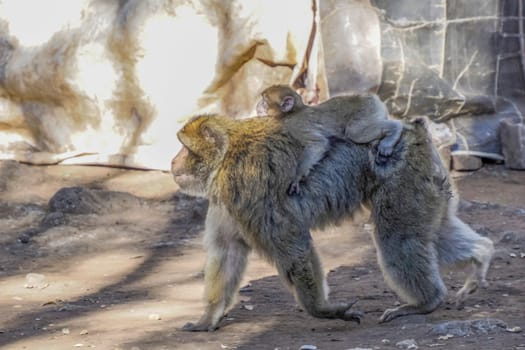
{"points": [[277, 101], [187, 173], [270, 105], [202, 152]]}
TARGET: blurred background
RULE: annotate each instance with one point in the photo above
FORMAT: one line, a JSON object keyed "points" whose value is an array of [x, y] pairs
{"points": [[111, 82]]}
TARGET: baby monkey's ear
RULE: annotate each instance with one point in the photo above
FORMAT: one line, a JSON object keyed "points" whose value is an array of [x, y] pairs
{"points": [[287, 104]]}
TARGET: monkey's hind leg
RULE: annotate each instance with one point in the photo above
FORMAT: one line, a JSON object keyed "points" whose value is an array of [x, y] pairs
{"points": [[410, 268], [458, 244], [225, 265], [301, 269], [391, 131]]}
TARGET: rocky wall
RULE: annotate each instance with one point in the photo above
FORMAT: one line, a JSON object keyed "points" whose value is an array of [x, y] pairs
{"points": [[459, 62]]}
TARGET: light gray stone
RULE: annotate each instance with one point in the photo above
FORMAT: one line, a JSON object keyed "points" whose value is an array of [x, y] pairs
{"points": [[36, 280], [513, 144], [464, 162], [409, 344], [308, 347]]}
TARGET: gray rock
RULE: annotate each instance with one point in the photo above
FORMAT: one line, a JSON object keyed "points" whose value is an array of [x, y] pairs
{"points": [[468, 327], [409, 344], [509, 237], [465, 162], [480, 132], [26, 236], [74, 200], [53, 219], [81, 200], [513, 144]]}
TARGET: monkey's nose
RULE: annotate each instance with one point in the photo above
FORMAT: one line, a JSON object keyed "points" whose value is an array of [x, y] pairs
{"points": [[177, 163]]}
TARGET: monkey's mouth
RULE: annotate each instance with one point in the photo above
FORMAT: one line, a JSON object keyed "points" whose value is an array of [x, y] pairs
{"points": [[181, 178]]}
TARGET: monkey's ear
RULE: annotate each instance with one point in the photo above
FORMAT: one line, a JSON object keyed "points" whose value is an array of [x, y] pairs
{"points": [[213, 136], [287, 104]]}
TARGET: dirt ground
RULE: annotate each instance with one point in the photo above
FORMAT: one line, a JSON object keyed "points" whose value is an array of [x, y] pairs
{"points": [[124, 271]]}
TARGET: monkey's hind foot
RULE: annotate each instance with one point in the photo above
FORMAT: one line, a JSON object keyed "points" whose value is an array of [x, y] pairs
{"points": [[405, 310], [355, 316], [462, 295], [199, 327], [350, 315]]}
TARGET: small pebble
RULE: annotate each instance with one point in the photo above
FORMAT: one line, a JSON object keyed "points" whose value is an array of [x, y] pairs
{"points": [[154, 317], [308, 347], [409, 344], [36, 280], [513, 329], [248, 307], [445, 337], [65, 330], [84, 332], [513, 255]]}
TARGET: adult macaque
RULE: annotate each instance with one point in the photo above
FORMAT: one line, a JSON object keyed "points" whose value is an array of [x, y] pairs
{"points": [[358, 118], [243, 167], [209, 165]]}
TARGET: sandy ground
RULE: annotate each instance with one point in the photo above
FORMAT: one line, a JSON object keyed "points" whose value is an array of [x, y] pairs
{"points": [[126, 273]]}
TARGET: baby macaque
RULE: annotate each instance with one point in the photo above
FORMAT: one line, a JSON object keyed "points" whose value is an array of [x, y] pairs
{"points": [[358, 118]]}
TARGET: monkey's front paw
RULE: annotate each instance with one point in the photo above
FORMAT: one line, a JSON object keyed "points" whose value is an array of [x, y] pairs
{"points": [[385, 150], [383, 154], [198, 327], [294, 188]]}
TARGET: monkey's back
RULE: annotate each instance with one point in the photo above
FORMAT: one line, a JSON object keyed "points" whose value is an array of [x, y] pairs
{"points": [[262, 158], [416, 205]]}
